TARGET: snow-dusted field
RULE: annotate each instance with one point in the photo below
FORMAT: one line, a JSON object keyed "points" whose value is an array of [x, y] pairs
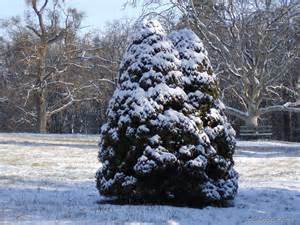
{"points": [[49, 179]]}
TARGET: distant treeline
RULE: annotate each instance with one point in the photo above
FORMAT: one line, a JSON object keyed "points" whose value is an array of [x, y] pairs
{"points": [[54, 77]]}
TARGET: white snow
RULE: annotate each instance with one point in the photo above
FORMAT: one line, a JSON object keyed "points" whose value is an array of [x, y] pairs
{"points": [[267, 143], [171, 117], [150, 27], [144, 165], [49, 179], [199, 162], [163, 93], [193, 54]]}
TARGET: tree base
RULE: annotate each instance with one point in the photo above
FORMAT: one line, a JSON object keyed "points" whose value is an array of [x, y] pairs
{"points": [[167, 202]]}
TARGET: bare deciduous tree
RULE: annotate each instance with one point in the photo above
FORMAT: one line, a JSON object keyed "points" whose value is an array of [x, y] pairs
{"points": [[77, 81], [51, 64]]}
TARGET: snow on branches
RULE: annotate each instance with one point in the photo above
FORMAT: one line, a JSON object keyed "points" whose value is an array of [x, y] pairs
{"points": [[166, 134]]}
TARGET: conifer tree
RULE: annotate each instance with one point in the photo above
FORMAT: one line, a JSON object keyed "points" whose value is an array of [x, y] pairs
{"points": [[201, 86], [136, 160], [164, 130]]}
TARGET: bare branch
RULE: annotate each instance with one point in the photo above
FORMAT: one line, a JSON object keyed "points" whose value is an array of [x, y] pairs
{"points": [[44, 6], [34, 30], [237, 113], [65, 106], [287, 107], [3, 99], [57, 37]]}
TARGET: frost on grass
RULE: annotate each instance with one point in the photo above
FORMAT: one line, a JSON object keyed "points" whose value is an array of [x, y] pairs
{"points": [[49, 179], [166, 134]]}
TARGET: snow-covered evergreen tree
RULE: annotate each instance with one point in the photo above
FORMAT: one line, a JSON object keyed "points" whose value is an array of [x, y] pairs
{"points": [[201, 86], [165, 130], [136, 160]]}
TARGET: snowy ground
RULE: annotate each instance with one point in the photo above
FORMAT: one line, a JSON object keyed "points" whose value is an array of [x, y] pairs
{"points": [[49, 179]]}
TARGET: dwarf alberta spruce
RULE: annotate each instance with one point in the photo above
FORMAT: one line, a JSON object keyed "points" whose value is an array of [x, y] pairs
{"points": [[166, 134]]}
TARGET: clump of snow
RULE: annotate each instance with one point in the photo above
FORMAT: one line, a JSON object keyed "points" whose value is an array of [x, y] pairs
{"points": [[194, 60], [144, 165], [146, 28]]}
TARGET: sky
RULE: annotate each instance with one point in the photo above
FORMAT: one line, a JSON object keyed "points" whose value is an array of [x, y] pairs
{"points": [[97, 12]]}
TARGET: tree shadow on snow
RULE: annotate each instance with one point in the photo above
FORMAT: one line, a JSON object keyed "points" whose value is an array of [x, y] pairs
{"points": [[78, 202], [165, 202]]}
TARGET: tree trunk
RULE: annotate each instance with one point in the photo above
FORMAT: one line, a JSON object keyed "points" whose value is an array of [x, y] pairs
{"points": [[41, 94], [252, 121], [253, 114], [42, 113]]}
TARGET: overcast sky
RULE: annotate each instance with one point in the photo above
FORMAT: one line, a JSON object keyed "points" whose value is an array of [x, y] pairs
{"points": [[97, 12]]}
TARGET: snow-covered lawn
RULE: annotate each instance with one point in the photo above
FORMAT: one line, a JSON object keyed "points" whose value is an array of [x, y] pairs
{"points": [[49, 179]]}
